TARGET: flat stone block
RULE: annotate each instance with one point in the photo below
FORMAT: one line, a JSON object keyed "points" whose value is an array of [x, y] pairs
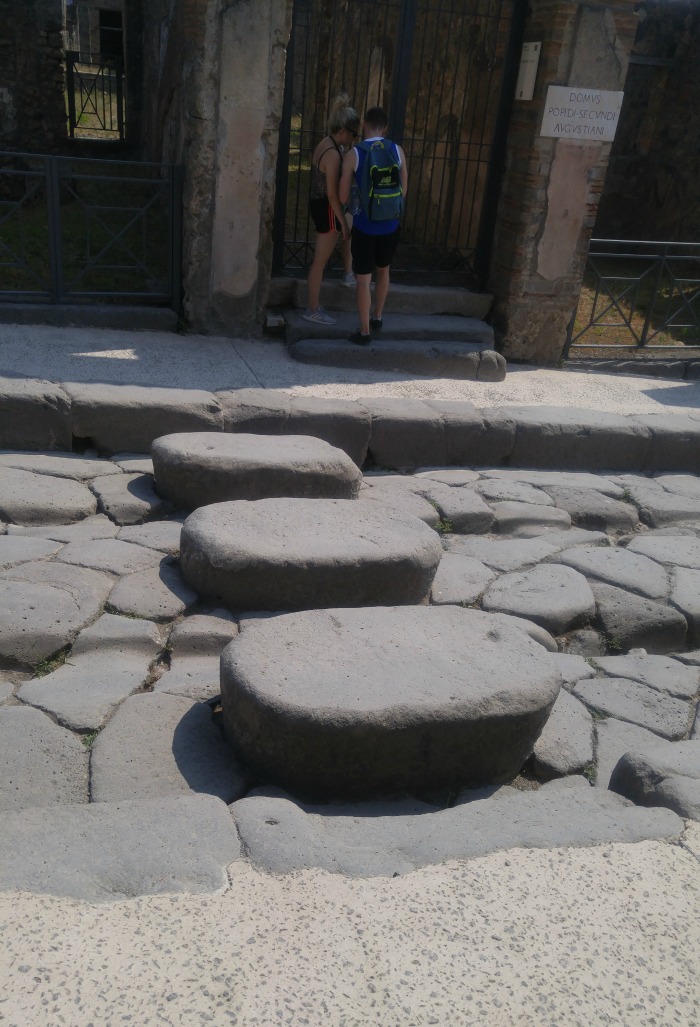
{"points": [[59, 465], [278, 554], [619, 567], [15, 550], [513, 554], [685, 597], [110, 555], [193, 470], [406, 433], [495, 490], [204, 634], [256, 411], [465, 510], [560, 437], [674, 444], [97, 526], [614, 738], [634, 622], [670, 550], [384, 700], [637, 704], [402, 501], [106, 851], [41, 764], [661, 774], [468, 442], [435, 359], [29, 498], [566, 743], [341, 423], [161, 535], [664, 673], [196, 677], [34, 415], [558, 479], [459, 579], [128, 499], [158, 593], [591, 509], [127, 418], [527, 520], [558, 598]]}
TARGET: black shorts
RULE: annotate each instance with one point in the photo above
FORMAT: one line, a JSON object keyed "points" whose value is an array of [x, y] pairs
{"points": [[324, 216], [371, 251]]}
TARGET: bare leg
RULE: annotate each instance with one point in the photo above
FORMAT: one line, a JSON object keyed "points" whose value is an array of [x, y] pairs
{"points": [[381, 290], [363, 301], [325, 245]]}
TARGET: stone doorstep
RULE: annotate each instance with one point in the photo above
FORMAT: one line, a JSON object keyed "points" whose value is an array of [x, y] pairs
{"points": [[402, 299], [404, 327], [465, 361]]}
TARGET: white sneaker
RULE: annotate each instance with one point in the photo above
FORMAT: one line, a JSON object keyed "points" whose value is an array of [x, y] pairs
{"points": [[348, 280], [319, 317]]}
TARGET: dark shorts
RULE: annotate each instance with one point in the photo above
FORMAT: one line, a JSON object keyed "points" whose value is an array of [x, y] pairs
{"points": [[370, 251], [323, 216]]}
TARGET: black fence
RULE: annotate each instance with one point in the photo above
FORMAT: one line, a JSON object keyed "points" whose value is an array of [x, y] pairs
{"points": [[638, 293], [95, 95], [81, 230]]}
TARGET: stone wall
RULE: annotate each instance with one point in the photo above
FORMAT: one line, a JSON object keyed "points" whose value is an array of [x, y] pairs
{"points": [[32, 77]]}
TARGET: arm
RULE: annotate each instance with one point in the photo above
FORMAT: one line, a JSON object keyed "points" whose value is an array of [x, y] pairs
{"points": [[346, 176], [330, 166], [403, 172]]}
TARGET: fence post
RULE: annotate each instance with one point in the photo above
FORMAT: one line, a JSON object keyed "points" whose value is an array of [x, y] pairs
{"points": [[71, 57], [119, 71], [53, 204]]}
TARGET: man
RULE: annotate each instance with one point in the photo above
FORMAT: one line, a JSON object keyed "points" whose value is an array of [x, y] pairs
{"points": [[373, 241]]}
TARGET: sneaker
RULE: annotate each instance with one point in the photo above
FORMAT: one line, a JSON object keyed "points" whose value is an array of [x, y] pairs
{"points": [[319, 317], [359, 339], [348, 280], [375, 324]]}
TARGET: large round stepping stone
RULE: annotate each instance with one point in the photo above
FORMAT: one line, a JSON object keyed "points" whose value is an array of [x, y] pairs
{"points": [[371, 701], [200, 468], [295, 554]]}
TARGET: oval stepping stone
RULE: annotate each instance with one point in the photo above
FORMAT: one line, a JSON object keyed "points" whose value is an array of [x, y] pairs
{"points": [[200, 468], [556, 597], [287, 554], [361, 702], [28, 498]]}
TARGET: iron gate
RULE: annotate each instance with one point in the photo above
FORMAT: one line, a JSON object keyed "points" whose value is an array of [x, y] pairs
{"points": [[445, 72], [95, 95], [79, 229]]}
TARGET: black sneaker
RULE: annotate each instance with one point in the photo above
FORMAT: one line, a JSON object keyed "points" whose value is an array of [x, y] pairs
{"points": [[375, 324], [359, 339]]}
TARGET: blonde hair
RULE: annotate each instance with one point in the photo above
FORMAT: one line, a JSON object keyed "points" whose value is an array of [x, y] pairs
{"points": [[342, 115]]}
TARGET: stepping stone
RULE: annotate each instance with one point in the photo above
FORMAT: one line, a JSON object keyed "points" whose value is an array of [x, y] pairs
{"points": [[558, 479], [102, 852], [109, 555], [593, 510], [278, 554], [128, 498], [671, 550], [685, 597], [44, 606], [161, 535], [614, 738], [661, 774], [371, 839], [637, 704], [619, 567], [528, 520], [514, 554], [402, 501], [110, 660], [371, 701], [158, 593], [633, 622], [556, 597], [14, 550], [41, 764], [28, 498], [159, 745], [659, 672], [60, 465], [459, 579], [566, 743], [494, 490], [97, 526], [205, 467]]}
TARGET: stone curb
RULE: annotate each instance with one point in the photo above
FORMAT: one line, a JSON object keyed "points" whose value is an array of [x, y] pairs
{"points": [[392, 433]]}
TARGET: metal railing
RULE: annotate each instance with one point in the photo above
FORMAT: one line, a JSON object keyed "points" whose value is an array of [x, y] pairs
{"points": [[95, 95], [638, 293], [76, 229]]}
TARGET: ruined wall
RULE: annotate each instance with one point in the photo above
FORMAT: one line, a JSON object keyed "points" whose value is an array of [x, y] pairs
{"points": [[652, 189], [32, 104], [551, 187]]}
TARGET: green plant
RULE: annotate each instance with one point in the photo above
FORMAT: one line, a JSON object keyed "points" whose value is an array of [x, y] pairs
{"points": [[627, 496], [444, 527], [51, 663], [88, 738]]}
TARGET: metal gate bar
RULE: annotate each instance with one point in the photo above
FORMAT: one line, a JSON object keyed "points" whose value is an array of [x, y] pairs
{"points": [[95, 94]]}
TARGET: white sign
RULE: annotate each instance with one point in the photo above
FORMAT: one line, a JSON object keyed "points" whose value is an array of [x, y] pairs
{"points": [[525, 86], [574, 112]]}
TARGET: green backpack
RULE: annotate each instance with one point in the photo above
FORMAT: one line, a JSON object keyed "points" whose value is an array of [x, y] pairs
{"points": [[381, 193]]}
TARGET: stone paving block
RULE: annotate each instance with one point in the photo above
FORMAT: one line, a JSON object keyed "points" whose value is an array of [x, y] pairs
{"points": [[161, 535], [341, 423], [675, 442], [128, 499], [634, 622], [278, 554], [671, 550], [585, 642], [636, 703], [527, 520], [459, 579], [44, 606], [193, 470], [605, 484], [664, 673], [283, 836], [382, 700], [556, 597], [613, 739], [466, 512], [593, 510], [405, 433], [196, 677], [102, 852], [535, 631], [59, 465], [258, 411], [133, 463], [127, 418], [661, 774], [109, 555], [14, 549], [158, 593], [157, 745], [572, 668], [691, 659], [685, 597], [680, 484], [403, 501], [619, 567], [453, 476], [41, 764], [6, 691], [29, 498], [562, 437], [496, 490], [659, 508], [445, 359], [110, 660], [566, 743], [203, 634], [514, 554], [468, 440], [97, 526], [34, 415]]}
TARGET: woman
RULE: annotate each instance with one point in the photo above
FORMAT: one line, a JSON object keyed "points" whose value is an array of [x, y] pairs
{"points": [[325, 206]]}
